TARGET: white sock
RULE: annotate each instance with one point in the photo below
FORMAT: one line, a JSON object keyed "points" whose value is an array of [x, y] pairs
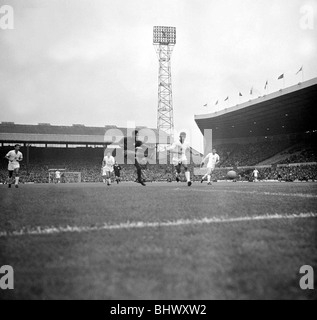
{"points": [[209, 178], [16, 180], [187, 175], [104, 180], [204, 177], [109, 180]]}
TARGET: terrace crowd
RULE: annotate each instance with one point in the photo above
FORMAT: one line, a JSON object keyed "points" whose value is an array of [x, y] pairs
{"points": [[87, 161], [152, 173]]}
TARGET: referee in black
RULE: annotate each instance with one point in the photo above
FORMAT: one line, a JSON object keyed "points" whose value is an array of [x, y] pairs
{"points": [[117, 169]]}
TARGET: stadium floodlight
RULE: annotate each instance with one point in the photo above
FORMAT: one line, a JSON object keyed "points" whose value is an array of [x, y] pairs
{"points": [[164, 40], [164, 35]]}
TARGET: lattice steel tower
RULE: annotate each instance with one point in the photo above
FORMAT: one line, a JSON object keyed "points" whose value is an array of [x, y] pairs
{"points": [[164, 40]]}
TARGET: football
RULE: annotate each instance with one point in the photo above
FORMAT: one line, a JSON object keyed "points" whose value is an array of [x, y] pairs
{"points": [[231, 174]]}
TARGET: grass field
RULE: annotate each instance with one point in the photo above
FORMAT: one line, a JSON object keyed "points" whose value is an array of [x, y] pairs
{"points": [[163, 241]]}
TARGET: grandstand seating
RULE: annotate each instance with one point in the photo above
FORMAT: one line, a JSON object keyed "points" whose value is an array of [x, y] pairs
{"points": [[301, 153], [249, 154]]}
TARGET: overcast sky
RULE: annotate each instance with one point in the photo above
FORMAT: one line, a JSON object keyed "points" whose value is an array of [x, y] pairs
{"points": [[93, 62]]}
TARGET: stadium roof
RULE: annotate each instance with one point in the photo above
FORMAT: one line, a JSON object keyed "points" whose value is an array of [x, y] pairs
{"points": [[291, 110], [77, 133]]}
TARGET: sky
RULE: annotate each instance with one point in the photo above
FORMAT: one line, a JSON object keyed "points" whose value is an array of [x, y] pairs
{"points": [[93, 62]]}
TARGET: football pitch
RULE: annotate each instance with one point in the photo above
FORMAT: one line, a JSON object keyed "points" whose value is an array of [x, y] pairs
{"points": [[162, 241]]}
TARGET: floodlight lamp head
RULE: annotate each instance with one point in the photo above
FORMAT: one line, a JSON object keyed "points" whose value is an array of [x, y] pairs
{"points": [[164, 35]]}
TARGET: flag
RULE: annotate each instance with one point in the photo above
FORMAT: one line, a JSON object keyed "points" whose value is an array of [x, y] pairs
{"points": [[266, 84], [227, 99], [216, 102], [300, 70], [205, 105], [240, 94], [281, 77]]}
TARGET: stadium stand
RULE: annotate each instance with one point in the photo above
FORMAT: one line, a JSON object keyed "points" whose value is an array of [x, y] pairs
{"points": [[90, 168], [91, 172], [249, 154], [275, 133], [301, 153], [87, 160]]}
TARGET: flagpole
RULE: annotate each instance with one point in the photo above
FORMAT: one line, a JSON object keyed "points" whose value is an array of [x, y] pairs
{"points": [[284, 81], [282, 76], [240, 95], [302, 73]]}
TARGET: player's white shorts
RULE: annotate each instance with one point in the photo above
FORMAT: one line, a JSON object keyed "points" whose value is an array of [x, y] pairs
{"points": [[106, 170], [180, 160], [13, 165], [210, 169]]}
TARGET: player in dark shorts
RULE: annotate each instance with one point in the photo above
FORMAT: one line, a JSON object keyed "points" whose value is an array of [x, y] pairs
{"points": [[117, 173], [131, 145]]}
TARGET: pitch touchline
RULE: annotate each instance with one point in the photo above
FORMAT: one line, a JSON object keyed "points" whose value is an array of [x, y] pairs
{"points": [[140, 225], [301, 195]]}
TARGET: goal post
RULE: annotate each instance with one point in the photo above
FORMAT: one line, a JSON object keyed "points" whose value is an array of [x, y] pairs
{"points": [[65, 176]]}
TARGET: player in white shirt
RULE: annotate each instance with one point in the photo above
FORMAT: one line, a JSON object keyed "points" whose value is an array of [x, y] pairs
{"points": [[57, 176], [14, 157], [179, 150], [255, 174], [107, 168], [213, 159]]}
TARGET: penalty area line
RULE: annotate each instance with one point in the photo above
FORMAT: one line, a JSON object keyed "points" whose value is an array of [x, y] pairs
{"points": [[142, 225]]}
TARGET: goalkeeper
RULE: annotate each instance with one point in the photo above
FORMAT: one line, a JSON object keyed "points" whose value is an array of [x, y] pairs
{"points": [[132, 147]]}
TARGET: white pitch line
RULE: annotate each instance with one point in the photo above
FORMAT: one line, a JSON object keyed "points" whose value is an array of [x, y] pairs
{"points": [[141, 225], [300, 195]]}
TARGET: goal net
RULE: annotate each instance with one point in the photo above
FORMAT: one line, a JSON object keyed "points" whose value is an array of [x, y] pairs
{"points": [[63, 176]]}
